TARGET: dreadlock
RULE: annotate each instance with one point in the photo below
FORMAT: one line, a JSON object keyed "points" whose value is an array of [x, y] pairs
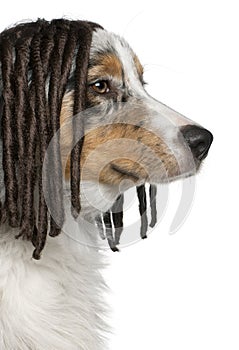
{"points": [[44, 51], [36, 62], [110, 224]]}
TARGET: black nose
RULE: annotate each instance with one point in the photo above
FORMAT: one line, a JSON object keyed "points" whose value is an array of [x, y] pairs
{"points": [[198, 139]]}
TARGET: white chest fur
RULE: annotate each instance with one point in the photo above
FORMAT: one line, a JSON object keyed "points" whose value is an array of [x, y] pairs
{"points": [[55, 303]]}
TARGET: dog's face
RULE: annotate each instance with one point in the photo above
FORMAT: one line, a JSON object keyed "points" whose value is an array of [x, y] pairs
{"points": [[129, 135]]}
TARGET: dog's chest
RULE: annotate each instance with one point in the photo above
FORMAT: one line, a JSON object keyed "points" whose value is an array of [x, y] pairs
{"points": [[54, 303]]}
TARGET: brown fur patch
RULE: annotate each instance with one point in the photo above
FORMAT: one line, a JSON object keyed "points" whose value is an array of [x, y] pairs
{"points": [[132, 163], [107, 65], [101, 169], [139, 66], [67, 107], [66, 129]]}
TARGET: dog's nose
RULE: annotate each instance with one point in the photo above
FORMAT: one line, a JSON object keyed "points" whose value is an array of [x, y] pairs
{"points": [[198, 139]]}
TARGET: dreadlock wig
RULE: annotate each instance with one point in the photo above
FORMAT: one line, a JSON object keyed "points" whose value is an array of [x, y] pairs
{"points": [[30, 117], [37, 61]]}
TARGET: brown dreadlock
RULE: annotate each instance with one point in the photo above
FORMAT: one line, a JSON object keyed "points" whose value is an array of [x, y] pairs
{"points": [[35, 55], [112, 220]]}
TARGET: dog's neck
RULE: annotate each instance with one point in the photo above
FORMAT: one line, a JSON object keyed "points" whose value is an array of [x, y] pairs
{"points": [[95, 199]]}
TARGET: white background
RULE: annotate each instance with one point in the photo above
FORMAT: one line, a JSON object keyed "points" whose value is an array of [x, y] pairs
{"points": [[179, 291]]}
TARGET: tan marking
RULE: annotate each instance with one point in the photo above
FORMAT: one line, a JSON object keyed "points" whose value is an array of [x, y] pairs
{"points": [[66, 129], [67, 107], [107, 65], [139, 66], [133, 163]]}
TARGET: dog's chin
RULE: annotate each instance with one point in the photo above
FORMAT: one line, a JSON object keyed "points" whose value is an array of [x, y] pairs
{"points": [[98, 196], [126, 173], [131, 179]]}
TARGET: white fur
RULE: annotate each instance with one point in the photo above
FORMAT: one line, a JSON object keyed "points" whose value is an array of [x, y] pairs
{"points": [[55, 303]]}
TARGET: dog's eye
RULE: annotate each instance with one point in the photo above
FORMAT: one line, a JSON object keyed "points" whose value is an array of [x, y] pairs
{"points": [[101, 87]]}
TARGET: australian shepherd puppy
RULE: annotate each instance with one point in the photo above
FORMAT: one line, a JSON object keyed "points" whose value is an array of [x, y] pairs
{"points": [[56, 302]]}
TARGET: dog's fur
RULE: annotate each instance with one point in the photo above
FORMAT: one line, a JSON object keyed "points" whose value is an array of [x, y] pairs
{"points": [[68, 311]]}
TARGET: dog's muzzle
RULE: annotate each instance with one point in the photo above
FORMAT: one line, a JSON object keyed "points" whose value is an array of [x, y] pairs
{"points": [[198, 139]]}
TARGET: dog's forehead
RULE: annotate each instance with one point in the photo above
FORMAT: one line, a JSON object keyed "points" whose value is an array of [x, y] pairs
{"points": [[117, 50], [108, 42]]}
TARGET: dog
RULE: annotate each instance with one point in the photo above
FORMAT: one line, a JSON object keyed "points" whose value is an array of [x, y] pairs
{"points": [[55, 299]]}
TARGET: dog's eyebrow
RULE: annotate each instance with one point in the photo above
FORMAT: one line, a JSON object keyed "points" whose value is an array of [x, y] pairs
{"points": [[105, 65]]}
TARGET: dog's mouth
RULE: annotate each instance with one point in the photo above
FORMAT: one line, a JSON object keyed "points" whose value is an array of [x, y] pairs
{"points": [[128, 173], [138, 177]]}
